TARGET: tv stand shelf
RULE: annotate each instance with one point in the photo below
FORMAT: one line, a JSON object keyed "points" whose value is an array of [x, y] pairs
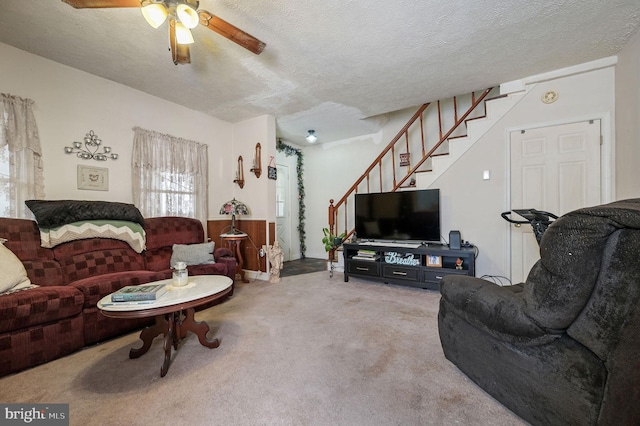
{"points": [[406, 264]]}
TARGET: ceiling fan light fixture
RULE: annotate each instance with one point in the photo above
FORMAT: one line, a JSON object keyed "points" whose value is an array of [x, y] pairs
{"points": [[188, 15], [182, 15], [155, 14], [183, 34], [311, 136]]}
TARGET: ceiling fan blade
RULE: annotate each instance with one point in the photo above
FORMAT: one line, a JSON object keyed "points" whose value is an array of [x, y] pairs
{"points": [[179, 52], [231, 32], [99, 4]]}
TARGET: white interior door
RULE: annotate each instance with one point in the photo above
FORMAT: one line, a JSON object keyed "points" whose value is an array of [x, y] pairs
{"points": [[555, 169], [283, 211]]}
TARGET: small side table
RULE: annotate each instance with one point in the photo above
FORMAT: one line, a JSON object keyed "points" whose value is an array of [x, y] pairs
{"points": [[234, 241]]}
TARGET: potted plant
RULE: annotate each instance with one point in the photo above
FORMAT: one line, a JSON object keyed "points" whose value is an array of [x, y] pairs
{"points": [[332, 242]]}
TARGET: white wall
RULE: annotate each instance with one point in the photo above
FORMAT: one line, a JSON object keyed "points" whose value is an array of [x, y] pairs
{"points": [[330, 170], [628, 120], [258, 193], [69, 103], [469, 204], [473, 205]]}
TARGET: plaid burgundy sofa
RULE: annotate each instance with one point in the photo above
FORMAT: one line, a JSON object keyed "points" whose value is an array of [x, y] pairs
{"points": [[59, 317]]}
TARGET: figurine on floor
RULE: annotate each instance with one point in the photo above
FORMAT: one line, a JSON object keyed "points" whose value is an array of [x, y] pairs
{"points": [[276, 258]]}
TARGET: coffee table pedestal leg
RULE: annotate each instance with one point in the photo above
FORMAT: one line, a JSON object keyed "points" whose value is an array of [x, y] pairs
{"points": [[174, 327], [147, 335], [170, 338], [200, 329]]}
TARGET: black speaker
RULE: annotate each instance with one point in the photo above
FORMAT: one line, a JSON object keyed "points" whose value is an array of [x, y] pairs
{"points": [[455, 240]]}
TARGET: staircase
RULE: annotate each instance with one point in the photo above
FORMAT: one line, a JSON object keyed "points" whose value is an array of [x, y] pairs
{"points": [[432, 140]]}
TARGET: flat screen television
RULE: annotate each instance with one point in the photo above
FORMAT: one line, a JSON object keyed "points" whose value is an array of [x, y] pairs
{"points": [[398, 216]]}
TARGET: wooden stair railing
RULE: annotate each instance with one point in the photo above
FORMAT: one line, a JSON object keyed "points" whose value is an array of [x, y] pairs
{"points": [[341, 208]]}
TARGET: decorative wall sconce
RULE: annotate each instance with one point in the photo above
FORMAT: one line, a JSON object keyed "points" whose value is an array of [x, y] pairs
{"points": [[90, 150], [257, 163], [240, 173]]}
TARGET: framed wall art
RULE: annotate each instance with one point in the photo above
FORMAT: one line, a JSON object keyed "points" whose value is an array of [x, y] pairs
{"points": [[93, 178], [272, 171]]}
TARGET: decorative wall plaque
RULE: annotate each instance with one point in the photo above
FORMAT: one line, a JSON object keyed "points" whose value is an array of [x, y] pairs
{"points": [[272, 171], [93, 178]]}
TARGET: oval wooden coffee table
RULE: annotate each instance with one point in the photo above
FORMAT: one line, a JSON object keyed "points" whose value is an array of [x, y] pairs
{"points": [[174, 313]]}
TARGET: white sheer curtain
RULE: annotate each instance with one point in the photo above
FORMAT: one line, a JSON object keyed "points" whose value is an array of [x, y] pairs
{"points": [[169, 175], [21, 175]]}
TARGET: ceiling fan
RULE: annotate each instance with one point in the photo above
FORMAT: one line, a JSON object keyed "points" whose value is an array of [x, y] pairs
{"points": [[183, 15]]}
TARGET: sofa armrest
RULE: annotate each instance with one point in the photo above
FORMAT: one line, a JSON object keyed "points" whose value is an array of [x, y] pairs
{"points": [[225, 256], [493, 309], [221, 252]]}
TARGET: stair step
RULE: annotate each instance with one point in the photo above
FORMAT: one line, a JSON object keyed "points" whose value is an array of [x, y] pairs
{"points": [[476, 127], [462, 134], [475, 118], [495, 97]]}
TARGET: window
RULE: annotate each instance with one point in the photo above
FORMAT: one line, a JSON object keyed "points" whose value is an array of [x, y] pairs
{"points": [[5, 181], [20, 157], [281, 194], [174, 193], [169, 175]]}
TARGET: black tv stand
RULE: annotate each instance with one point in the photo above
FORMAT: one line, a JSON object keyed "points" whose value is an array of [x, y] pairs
{"points": [[420, 265], [436, 245]]}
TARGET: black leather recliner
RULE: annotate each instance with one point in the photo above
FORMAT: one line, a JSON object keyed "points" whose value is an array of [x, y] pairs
{"points": [[564, 346]]}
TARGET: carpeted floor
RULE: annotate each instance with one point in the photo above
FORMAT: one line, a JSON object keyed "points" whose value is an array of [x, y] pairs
{"points": [[311, 350]]}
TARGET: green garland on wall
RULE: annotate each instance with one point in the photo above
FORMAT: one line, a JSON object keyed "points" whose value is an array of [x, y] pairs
{"points": [[289, 151]]}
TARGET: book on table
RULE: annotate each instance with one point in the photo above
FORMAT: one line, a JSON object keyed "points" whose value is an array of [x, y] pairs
{"points": [[366, 255], [369, 258], [134, 293], [363, 252]]}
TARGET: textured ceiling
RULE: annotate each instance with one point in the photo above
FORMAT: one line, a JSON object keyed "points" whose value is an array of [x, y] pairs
{"points": [[336, 66]]}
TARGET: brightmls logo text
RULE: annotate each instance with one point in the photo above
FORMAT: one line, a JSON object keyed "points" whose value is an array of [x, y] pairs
{"points": [[36, 414]]}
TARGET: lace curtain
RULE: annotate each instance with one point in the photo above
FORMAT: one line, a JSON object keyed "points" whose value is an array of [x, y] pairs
{"points": [[169, 175], [21, 176]]}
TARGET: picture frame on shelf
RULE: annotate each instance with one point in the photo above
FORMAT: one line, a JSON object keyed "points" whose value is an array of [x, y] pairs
{"points": [[93, 178], [434, 261]]}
